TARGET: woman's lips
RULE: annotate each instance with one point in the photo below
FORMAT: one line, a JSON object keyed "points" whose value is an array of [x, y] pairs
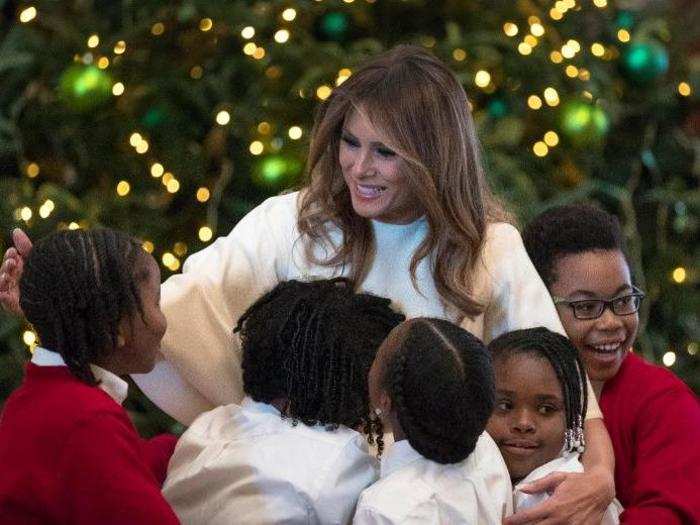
{"points": [[370, 191]]}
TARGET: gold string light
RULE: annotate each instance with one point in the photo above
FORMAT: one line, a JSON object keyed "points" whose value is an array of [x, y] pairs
{"points": [[223, 117], [205, 234], [289, 14], [28, 14], [123, 188], [203, 194], [32, 170]]}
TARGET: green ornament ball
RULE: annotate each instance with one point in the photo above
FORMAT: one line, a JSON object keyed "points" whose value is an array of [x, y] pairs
{"points": [[584, 124], [498, 108], [334, 26], [84, 87], [643, 62], [624, 19], [276, 171]]}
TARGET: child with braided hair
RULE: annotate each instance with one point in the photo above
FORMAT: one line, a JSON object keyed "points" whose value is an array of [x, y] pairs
{"points": [[69, 452], [432, 386], [541, 400], [290, 452]]}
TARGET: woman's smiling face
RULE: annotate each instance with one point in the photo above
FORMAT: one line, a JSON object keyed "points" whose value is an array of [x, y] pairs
{"points": [[373, 174]]}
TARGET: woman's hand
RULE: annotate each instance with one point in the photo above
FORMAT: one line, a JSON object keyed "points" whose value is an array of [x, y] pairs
{"points": [[11, 271], [577, 498]]}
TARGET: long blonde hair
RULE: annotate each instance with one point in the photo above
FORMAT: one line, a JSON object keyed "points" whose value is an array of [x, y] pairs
{"points": [[420, 108]]}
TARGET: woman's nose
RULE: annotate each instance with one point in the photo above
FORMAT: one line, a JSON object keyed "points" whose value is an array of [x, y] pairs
{"points": [[362, 164]]}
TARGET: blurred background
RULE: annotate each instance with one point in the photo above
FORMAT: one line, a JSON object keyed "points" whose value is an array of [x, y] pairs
{"points": [[171, 120]]}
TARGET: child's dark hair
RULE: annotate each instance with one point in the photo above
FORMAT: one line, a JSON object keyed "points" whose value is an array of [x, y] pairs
{"points": [[567, 230], [76, 287], [441, 383], [312, 344], [565, 361]]}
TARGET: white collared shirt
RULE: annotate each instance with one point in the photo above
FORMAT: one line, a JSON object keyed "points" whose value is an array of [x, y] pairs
{"points": [[110, 383], [567, 462], [247, 464], [415, 490]]}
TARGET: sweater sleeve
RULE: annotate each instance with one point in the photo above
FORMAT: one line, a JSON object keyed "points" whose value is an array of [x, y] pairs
{"points": [[106, 477], [158, 451], [519, 298], [666, 471], [204, 302]]}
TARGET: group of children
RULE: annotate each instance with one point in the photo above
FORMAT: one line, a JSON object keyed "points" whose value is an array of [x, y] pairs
{"points": [[330, 376]]}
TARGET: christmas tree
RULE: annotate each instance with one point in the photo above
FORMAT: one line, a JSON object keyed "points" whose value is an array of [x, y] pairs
{"points": [[171, 120]]}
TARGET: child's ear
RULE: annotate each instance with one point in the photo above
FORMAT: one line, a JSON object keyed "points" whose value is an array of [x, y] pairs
{"points": [[123, 332]]}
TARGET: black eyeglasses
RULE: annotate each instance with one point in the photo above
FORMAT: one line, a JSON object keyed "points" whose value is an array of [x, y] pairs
{"points": [[594, 308]]}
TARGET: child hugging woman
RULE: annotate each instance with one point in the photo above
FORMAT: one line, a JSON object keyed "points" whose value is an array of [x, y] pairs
{"points": [[293, 451], [541, 400], [69, 452], [432, 386]]}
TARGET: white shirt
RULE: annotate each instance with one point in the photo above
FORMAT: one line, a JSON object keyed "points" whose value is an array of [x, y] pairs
{"points": [[568, 462], [202, 305], [246, 464], [110, 383], [415, 490]]}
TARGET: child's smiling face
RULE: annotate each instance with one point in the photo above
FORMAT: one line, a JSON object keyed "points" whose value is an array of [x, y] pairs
{"points": [[528, 422], [602, 343]]}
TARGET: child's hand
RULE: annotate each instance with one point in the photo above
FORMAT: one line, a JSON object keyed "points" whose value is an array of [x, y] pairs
{"points": [[577, 498], [11, 271]]}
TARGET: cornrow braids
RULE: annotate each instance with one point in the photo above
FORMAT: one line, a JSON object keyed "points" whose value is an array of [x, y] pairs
{"points": [[568, 230], [75, 288], [441, 383], [312, 344], [563, 357]]}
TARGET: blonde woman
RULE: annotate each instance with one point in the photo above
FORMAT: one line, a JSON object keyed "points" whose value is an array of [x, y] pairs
{"points": [[397, 199]]}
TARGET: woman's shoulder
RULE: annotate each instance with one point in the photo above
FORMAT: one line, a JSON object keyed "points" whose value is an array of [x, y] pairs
{"points": [[501, 234], [283, 205]]}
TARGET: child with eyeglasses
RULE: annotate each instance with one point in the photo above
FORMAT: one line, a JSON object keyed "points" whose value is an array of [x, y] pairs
{"points": [[653, 418]]}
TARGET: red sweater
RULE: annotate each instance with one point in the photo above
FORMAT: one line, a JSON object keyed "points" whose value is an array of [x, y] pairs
{"points": [[70, 455], [654, 423]]}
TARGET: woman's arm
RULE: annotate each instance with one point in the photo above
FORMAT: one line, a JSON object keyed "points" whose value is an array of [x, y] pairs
{"points": [[203, 304]]}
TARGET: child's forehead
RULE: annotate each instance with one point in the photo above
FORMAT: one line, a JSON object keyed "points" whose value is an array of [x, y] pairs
{"points": [[595, 271], [525, 371]]}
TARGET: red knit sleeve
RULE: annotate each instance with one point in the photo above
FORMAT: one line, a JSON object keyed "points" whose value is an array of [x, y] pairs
{"points": [[158, 451], [666, 474], [106, 476]]}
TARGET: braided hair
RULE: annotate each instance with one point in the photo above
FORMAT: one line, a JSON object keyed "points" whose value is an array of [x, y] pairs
{"points": [[565, 361], [441, 384], [312, 345], [567, 230], [76, 287]]}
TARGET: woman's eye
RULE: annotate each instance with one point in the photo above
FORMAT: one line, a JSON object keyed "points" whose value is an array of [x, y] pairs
{"points": [[386, 152], [349, 141]]}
